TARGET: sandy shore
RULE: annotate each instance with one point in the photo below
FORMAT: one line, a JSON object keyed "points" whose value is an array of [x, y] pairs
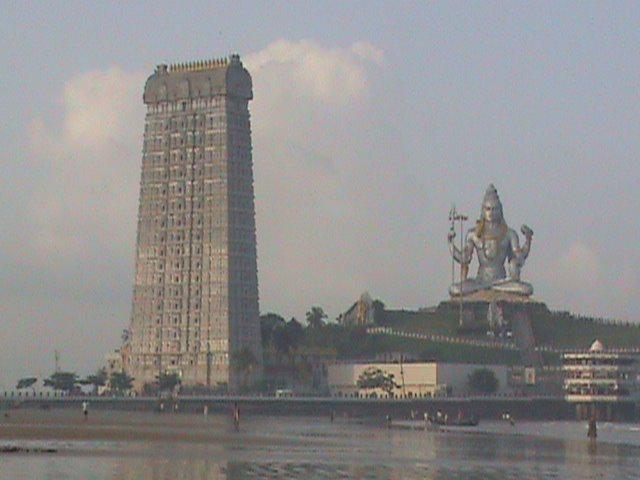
{"points": [[66, 424]]}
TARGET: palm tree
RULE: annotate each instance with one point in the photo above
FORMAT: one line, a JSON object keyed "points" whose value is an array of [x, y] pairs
{"points": [[99, 379], [316, 317], [168, 381], [65, 381], [28, 382], [121, 382]]}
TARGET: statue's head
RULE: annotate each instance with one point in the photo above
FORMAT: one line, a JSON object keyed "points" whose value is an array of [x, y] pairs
{"points": [[491, 206]]}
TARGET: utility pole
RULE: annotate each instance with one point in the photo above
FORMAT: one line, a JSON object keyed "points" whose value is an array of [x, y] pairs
{"points": [[208, 363], [452, 216], [56, 359], [404, 392]]}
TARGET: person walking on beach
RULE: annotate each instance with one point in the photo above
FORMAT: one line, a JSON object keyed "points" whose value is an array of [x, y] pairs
{"points": [[85, 409], [592, 431], [236, 416]]}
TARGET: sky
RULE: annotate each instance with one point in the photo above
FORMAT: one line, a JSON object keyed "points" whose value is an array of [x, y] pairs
{"points": [[369, 120]]}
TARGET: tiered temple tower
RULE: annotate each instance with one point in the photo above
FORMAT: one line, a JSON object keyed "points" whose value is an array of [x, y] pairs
{"points": [[195, 297]]}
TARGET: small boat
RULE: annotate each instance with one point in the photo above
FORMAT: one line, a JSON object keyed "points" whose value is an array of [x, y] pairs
{"points": [[461, 420], [458, 422]]}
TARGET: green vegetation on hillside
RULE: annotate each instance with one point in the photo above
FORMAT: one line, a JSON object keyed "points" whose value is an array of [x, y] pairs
{"points": [[564, 330], [444, 352], [428, 322], [287, 344], [557, 329]]}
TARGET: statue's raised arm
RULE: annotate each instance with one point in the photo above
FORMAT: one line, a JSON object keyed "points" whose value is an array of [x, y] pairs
{"points": [[465, 255], [518, 255]]}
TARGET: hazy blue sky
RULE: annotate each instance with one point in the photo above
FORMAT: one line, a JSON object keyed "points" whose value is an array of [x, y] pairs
{"points": [[369, 119]]}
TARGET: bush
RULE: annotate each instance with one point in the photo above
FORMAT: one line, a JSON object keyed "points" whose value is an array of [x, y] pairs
{"points": [[483, 380]]}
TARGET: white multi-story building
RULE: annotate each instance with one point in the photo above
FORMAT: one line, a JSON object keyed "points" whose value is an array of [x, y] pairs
{"points": [[599, 375], [195, 296]]}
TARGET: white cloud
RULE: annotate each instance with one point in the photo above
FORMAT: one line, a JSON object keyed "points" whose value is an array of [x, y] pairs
{"points": [[306, 70], [92, 163], [310, 115], [70, 250], [100, 105], [368, 52], [579, 266], [573, 281]]}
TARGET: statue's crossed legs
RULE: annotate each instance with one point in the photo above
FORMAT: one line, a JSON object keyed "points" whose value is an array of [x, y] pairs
{"points": [[505, 285]]}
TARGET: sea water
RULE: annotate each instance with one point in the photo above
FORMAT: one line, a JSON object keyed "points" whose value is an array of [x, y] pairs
{"points": [[144, 446]]}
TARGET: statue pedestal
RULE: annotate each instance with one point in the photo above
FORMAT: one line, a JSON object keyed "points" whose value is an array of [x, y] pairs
{"points": [[489, 310]]}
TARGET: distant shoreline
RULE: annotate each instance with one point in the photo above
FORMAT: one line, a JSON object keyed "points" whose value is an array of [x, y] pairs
{"points": [[532, 408]]}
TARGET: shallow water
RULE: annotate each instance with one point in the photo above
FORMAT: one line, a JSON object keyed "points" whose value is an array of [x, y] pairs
{"points": [[124, 445]]}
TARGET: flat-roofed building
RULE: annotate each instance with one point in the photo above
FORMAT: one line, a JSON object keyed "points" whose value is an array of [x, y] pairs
{"points": [[424, 379]]}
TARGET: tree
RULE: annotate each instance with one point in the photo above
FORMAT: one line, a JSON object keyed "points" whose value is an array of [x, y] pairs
{"points": [[483, 380], [303, 371], [295, 333], [268, 324], [99, 379], [288, 337], [280, 341], [378, 310], [168, 381], [121, 382], [428, 354], [244, 362], [316, 317], [373, 378], [26, 382], [65, 381]]}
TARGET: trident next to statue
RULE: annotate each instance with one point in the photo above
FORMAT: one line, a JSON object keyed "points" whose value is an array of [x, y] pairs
{"points": [[495, 244]]}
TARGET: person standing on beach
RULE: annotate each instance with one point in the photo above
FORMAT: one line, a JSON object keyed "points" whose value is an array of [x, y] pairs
{"points": [[85, 409], [592, 431], [236, 416]]}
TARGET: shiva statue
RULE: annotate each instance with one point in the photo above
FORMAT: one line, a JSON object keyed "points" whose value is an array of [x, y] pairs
{"points": [[495, 244]]}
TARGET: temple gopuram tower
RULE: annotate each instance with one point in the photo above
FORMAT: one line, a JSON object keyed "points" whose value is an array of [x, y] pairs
{"points": [[195, 295]]}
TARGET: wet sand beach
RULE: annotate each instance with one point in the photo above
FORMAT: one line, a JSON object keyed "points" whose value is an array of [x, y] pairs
{"points": [[67, 424]]}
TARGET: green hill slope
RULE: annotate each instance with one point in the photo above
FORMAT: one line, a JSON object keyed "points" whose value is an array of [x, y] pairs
{"points": [[556, 329]]}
